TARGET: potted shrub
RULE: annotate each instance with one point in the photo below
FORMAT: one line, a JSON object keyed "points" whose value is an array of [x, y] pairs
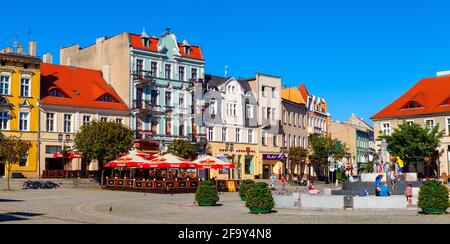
{"points": [[259, 199], [207, 194], [433, 198], [245, 186]]}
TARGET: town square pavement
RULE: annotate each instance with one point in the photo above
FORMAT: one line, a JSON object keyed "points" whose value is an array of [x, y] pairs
{"points": [[96, 206]]}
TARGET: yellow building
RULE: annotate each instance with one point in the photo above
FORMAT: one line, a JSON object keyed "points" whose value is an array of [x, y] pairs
{"points": [[19, 102]]}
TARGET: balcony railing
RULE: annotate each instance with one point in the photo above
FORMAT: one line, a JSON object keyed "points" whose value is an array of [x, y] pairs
{"points": [[146, 107], [144, 78]]}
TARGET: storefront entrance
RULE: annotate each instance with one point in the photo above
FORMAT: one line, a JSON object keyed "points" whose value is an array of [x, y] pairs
{"points": [[267, 171], [54, 164], [2, 170]]}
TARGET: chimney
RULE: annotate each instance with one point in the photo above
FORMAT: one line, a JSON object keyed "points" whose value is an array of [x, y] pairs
{"points": [[106, 70], [32, 48], [20, 49], [48, 58], [100, 39]]}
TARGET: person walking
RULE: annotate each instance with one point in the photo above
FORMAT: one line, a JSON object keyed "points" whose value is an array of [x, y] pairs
{"points": [[401, 165], [272, 181], [409, 195], [393, 178], [283, 182]]}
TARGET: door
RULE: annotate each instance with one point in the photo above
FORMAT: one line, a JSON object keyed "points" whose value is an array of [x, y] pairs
{"points": [[266, 171], [2, 170]]}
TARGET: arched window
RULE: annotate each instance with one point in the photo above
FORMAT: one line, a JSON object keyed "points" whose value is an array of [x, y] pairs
{"points": [[412, 105], [107, 98]]}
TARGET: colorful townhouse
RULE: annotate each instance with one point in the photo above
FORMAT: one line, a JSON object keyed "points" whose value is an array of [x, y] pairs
{"points": [[19, 103], [70, 98], [426, 103], [155, 77], [230, 119]]}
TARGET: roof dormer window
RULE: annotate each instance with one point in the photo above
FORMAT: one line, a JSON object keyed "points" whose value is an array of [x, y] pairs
{"points": [[146, 42], [107, 98], [446, 102], [56, 92], [187, 50], [412, 105]]}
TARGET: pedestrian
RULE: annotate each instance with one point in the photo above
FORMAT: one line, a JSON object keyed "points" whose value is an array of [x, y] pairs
{"points": [[393, 178], [384, 192], [272, 181], [409, 195], [401, 165], [312, 190], [378, 184], [283, 181], [375, 168]]}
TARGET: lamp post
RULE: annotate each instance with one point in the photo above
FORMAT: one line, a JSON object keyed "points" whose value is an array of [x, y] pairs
{"points": [[63, 139], [331, 168]]}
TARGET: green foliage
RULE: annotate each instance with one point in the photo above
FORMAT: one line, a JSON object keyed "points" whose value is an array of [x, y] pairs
{"points": [[244, 188], [207, 193], [413, 143], [260, 197], [297, 156], [433, 197], [103, 141], [184, 149], [13, 150], [341, 176], [324, 147]]}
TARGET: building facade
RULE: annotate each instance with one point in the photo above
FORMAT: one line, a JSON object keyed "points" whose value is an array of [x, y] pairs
{"points": [[358, 137], [19, 106], [427, 103], [70, 98], [293, 126], [154, 76], [267, 91], [230, 119], [318, 119]]}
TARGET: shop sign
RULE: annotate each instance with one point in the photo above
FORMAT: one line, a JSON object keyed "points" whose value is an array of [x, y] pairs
{"points": [[273, 156]]}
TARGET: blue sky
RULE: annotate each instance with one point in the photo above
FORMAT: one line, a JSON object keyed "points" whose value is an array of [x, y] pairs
{"points": [[358, 54]]}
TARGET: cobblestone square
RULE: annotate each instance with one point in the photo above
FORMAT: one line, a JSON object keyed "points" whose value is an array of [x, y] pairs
{"points": [[96, 206]]}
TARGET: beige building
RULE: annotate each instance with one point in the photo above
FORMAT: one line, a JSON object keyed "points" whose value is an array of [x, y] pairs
{"points": [[71, 97], [358, 137], [427, 103], [267, 90]]}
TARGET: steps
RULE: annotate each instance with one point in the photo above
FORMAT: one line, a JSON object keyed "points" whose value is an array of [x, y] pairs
{"points": [[353, 188]]}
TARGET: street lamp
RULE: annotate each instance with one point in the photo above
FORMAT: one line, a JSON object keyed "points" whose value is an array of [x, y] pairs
{"points": [[63, 139]]}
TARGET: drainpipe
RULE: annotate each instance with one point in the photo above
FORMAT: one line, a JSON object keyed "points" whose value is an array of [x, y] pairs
{"points": [[39, 138]]}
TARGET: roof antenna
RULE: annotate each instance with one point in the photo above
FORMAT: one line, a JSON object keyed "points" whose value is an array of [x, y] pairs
{"points": [[226, 70]]}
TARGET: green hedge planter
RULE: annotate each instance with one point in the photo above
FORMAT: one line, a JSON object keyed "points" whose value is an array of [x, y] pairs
{"points": [[245, 186], [433, 198], [207, 194], [259, 199]]}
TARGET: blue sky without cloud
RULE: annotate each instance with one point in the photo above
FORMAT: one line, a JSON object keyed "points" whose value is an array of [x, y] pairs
{"points": [[358, 54]]}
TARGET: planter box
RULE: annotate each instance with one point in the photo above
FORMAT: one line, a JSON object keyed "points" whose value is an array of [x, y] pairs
{"points": [[320, 202], [373, 202]]}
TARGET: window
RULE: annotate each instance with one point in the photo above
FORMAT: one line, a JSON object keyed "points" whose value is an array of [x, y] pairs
{"points": [[24, 121], [264, 91], [146, 42], [106, 98], [269, 115], [231, 109], [56, 93], [25, 87], [264, 112], [119, 121], [430, 124], [181, 128], [154, 69], [50, 122], [213, 107], [4, 85], [412, 105], [181, 100], [238, 135], [250, 136], [386, 128], [211, 134], [273, 113], [275, 140], [248, 165], [274, 92], [181, 72], [168, 73], [24, 161], [86, 119], [224, 134], [264, 138], [168, 127], [410, 123], [168, 99], [67, 123], [104, 119], [139, 67], [194, 74], [448, 128], [249, 111], [295, 141], [154, 98], [4, 120]]}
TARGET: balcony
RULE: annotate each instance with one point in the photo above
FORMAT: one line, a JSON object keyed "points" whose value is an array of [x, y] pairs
{"points": [[152, 136], [144, 78], [146, 107]]}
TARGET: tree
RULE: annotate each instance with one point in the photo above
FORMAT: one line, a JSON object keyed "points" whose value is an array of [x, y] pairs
{"points": [[103, 141], [13, 150], [183, 149], [297, 157], [413, 143], [323, 147]]}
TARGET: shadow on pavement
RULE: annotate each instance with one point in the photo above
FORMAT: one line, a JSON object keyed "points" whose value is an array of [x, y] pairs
{"points": [[10, 200], [19, 216]]}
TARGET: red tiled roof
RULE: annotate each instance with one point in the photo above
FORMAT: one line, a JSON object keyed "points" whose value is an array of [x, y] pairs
{"points": [[136, 42], [82, 87], [430, 93], [304, 92]]}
